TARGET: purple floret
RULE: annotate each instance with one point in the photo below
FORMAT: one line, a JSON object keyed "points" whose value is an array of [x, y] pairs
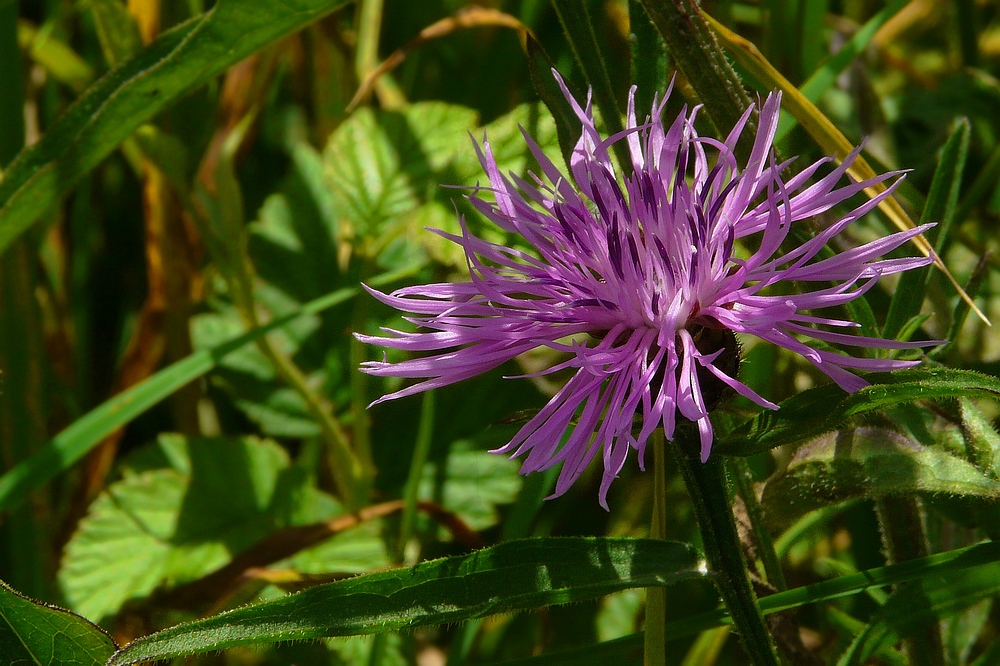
{"points": [[629, 273]]}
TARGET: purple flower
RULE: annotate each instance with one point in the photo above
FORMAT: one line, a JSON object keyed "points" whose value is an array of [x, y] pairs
{"points": [[640, 280]]}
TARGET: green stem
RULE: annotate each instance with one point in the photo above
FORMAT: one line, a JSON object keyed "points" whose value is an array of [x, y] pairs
{"points": [[655, 649], [740, 472], [421, 450], [708, 487], [904, 536], [696, 53]]}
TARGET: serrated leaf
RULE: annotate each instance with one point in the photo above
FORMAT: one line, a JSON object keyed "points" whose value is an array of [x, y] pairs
{"points": [[386, 171], [178, 523], [827, 408], [512, 576], [867, 462], [179, 61], [381, 165], [35, 633]]}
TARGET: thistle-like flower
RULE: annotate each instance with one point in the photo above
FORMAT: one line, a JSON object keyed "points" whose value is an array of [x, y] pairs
{"points": [[639, 279]]}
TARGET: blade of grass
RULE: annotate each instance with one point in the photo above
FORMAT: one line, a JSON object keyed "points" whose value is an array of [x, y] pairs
{"points": [[942, 200], [823, 78], [579, 31], [829, 138], [83, 434]]}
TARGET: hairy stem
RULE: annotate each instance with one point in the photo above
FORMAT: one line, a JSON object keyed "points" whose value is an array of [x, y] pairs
{"points": [[708, 487]]}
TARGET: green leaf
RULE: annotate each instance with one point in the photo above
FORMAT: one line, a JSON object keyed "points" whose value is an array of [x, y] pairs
{"points": [[920, 603], [178, 523], [176, 63], [174, 523], [867, 462], [942, 201], [472, 484], [512, 576], [943, 566], [695, 51], [578, 29], [820, 80], [35, 633], [981, 440], [78, 438], [827, 408], [117, 30]]}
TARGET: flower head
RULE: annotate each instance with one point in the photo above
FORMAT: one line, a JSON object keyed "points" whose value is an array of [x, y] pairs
{"points": [[638, 279]]}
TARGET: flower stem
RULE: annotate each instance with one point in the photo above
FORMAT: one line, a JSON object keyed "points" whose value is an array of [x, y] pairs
{"points": [[655, 648], [708, 487]]}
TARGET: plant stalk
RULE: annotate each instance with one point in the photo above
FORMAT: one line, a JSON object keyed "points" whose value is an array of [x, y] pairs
{"points": [[655, 649], [709, 490]]}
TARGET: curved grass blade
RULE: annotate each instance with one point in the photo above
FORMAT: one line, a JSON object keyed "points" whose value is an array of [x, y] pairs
{"points": [[829, 138], [129, 95], [827, 73], [83, 434], [517, 575], [820, 410]]}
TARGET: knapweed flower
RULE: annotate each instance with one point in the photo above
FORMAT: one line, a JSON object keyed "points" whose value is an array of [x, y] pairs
{"points": [[639, 279]]}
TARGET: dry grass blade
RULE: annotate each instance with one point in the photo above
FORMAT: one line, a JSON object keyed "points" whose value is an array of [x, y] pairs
{"points": [[828, 137], [468, 17]]}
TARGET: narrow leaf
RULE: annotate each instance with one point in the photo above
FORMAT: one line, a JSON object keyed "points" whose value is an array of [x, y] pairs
{"points": [[940, 207], [179, 61], [59, 453], [826, 408], [34, 633], [513, 576], [913, 607]]}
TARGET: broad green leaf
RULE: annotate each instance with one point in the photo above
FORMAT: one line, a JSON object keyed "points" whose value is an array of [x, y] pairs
{"points": [[78, 438], [382, 165], [129, 95], [914, 606], [827, 408], [177, 523], [472, 484], [512, 576], [386, 171], [35, 633], [867, 462]]}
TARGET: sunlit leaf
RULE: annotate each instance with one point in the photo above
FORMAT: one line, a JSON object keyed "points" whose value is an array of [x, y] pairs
{"points": [[34, 633]]}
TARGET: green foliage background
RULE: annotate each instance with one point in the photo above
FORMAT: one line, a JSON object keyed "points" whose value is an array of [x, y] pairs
{"points": [[188, 207]]}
